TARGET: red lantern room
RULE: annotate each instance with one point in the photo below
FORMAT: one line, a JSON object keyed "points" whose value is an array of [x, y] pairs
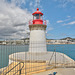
{"points": [[37, 17]]}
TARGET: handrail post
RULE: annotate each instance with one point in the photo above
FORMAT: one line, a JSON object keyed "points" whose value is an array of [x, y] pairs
{"points": [[55, 57], [20, 69], [20, 72], [25, 63]]}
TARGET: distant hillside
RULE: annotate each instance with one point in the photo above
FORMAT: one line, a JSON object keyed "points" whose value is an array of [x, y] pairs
{"points": [[25, 39], [68, 38]]}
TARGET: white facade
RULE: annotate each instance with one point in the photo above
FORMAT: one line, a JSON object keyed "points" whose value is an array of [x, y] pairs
{"points": [[37, 38]]}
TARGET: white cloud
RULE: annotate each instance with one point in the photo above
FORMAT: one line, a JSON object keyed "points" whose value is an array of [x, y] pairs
{"points": [[18, 2], [70, 23], [48, 22], [60, 21], [49, 28], [35, 4], [13, 20], [31, 3], [64, 3], [49, 35], [68, 16]]}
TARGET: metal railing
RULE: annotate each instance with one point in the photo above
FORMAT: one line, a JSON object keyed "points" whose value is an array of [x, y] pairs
{"points": [[31, 22], [19, 69], [16, 71], [24, 62]]}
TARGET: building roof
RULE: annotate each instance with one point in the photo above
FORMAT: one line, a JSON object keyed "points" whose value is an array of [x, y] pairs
{"points": [[37, 12]]}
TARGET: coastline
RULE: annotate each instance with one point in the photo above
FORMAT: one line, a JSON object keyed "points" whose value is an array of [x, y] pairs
{"points": [[60, 44], [47, 44]]}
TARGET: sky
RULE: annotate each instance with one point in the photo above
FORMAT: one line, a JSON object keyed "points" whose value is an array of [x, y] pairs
{"points": [[16, 14]]}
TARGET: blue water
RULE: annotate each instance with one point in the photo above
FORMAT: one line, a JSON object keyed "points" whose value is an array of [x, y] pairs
{"points": [[68, 49], [5, 51]]}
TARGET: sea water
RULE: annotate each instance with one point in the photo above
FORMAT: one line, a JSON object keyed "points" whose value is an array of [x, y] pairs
{"points": [[6, 50]]}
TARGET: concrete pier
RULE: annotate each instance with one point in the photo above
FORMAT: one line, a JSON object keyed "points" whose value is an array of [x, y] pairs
{"points": [[57, 58]]}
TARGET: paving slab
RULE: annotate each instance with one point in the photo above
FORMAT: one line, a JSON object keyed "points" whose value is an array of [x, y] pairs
{"points": [[60, 71]]}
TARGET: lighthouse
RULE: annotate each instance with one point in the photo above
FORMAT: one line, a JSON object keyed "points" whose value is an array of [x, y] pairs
{"points": [[37, 33]]}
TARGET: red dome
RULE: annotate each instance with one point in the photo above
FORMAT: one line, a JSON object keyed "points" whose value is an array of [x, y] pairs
{"points": [[37, 12]]}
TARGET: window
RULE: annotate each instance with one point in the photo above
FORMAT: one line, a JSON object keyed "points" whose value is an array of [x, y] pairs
{"points": [[37, 16]]}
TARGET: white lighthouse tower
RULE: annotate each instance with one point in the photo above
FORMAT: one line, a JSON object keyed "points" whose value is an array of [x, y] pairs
{"points": [[37, 33]]}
